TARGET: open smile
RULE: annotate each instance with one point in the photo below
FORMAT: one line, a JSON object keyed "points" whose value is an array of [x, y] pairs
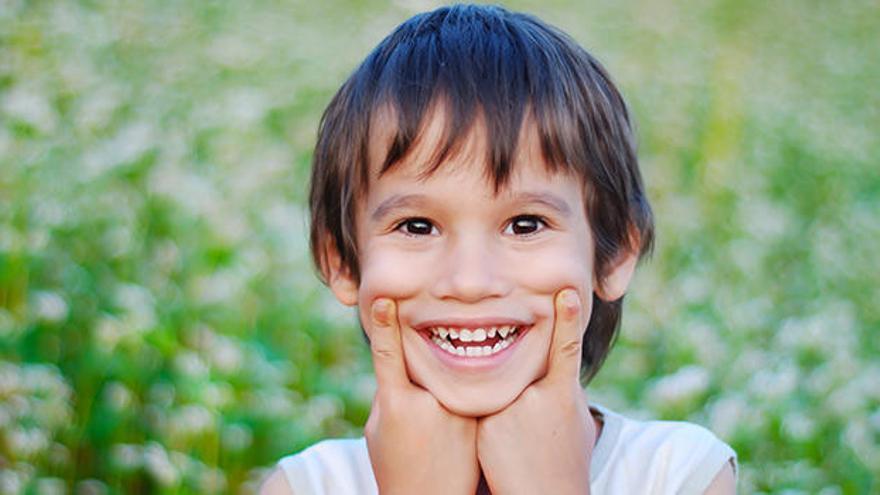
{"points": [[473, 343]]}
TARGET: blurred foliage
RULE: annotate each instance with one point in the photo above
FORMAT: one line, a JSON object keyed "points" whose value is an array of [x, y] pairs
{"points": [[161, 327]]}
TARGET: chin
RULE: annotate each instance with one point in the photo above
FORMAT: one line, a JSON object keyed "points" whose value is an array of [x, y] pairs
{"points": [[474, 402], [477, 395]]}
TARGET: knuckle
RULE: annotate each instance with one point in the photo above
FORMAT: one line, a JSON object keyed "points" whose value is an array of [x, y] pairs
{"points": [[382, 352], [571, 348]]}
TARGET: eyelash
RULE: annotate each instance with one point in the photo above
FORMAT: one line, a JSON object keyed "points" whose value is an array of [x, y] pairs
{"points": [[541, 222]]}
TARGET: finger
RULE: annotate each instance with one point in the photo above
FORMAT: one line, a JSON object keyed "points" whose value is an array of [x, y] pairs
{"points": [[568, 332], [385, 345]]}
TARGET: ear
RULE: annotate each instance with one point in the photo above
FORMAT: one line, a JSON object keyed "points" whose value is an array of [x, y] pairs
{"points": [[338, 277], [613, 286]]}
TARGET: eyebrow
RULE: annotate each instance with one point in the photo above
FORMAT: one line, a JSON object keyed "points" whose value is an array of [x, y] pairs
{"points": [[546, 199], [397, 201]]}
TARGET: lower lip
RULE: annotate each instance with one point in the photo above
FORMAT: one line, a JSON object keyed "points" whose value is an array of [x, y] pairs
{"points": [[475, 363]]}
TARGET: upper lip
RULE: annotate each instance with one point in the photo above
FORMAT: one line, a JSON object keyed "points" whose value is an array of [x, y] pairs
{"points": [[482, 322]]}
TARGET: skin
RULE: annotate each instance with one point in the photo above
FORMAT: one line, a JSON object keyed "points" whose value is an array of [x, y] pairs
{"points": [[451, 251], [454, 248]]}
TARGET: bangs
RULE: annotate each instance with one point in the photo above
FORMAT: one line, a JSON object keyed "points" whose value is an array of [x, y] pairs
{"points": [[490, 67]]}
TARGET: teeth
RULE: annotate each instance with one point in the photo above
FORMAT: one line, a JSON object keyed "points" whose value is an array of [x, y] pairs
{"points": [[506, 333]]}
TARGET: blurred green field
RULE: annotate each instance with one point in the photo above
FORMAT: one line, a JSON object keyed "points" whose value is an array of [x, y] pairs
{"points": [[162, 329]]}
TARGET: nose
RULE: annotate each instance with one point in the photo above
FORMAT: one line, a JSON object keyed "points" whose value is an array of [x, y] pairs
{"points": [[472, 269]]}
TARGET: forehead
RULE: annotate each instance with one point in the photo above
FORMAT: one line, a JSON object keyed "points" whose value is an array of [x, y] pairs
{"points": [[471, 151]]}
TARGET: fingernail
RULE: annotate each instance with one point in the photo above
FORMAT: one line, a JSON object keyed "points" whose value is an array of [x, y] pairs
{"points": [[380, 311], [570, 301]]}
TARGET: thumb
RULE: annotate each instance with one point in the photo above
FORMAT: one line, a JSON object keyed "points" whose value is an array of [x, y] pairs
{"points": [[385, 345], [565, 350]]}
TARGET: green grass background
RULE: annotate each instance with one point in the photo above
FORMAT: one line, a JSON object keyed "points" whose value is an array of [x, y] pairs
{"points": [[162, 329]]}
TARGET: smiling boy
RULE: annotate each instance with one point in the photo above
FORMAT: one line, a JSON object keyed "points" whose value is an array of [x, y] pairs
{"points": [[476, 194]]}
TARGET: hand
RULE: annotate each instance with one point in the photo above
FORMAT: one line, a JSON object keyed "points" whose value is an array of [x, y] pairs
{"points": [[415, 445], [543, 441]]}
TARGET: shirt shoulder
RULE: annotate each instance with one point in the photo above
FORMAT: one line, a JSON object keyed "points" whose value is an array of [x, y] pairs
{"points": [[674, 457], [336, 466]]}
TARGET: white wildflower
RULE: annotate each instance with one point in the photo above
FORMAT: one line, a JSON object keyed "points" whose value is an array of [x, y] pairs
{"points": [[27, 104], [129, 144], [190, 364], [127, 456], [225, 354], [12, 481], [117, 396], [859, 438], [95, 110], [139, 306], [50, 306], [234, 52], [763, 219], [775, 384], [246, 106], [193, 192], [91, 487], [798, 425], [218, 395], [108, 332], [236, 437], [162, 394], [49, 212], [192, 419], [11, 239], [10, 378], [218, 287], [159, 466], [25, 443], [212, 480], [726, 414], [50, 486], [874, 420], [683, 385]]}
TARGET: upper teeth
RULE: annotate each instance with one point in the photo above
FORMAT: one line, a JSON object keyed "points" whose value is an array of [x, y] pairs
{"points": [[475, 335], [507, 333]]}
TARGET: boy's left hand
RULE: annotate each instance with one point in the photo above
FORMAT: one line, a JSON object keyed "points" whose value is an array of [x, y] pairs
{"points": [[543, 441]]}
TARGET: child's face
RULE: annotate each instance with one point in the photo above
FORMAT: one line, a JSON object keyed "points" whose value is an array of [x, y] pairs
{"points": [[453, 254]]}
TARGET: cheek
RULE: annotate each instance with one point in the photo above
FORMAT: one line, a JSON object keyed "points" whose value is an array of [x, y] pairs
{"points": [[555, 269], [390, 273]]}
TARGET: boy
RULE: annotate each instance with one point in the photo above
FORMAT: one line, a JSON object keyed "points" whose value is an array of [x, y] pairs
{"points": [[476, 194]]}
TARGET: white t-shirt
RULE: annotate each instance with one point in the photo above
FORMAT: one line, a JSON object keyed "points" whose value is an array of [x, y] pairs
{"points": [[630, 457]]}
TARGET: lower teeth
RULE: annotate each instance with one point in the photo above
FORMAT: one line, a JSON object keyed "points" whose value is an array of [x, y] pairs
{"points": [[474, 351]]}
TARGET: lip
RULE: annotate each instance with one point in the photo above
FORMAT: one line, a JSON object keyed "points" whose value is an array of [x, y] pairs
{"points": [[482, 322], [473, 363]]}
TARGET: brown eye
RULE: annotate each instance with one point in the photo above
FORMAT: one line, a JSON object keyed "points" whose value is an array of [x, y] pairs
{"points": [[525, 225], [416, 226]]}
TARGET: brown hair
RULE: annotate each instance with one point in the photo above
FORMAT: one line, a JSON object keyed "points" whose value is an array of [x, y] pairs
{"points": [[487, 63]]}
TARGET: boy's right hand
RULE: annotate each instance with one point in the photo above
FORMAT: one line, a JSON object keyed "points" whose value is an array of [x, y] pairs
{"points": [[415, 444]]}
